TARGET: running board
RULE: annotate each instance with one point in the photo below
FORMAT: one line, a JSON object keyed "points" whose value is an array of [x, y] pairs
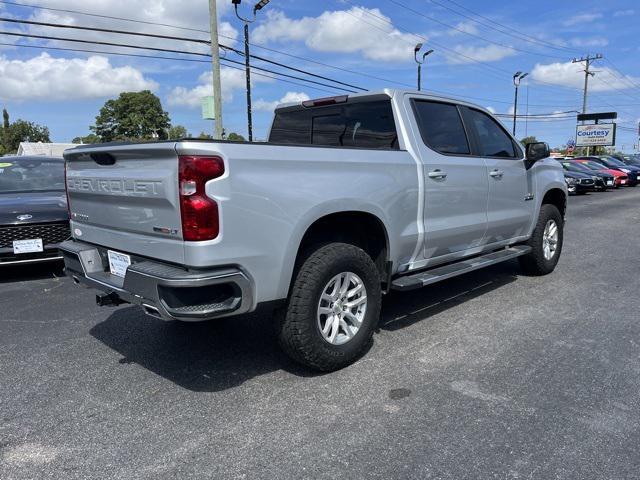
{"points": [[422, 279]]}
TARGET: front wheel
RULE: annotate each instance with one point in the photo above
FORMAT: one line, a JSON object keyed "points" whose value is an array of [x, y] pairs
{"points": [[333, 308], [545, 242]]}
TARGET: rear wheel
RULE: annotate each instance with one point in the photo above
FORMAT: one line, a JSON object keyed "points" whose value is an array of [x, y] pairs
{"points": [[545, 242], [333, 308]]}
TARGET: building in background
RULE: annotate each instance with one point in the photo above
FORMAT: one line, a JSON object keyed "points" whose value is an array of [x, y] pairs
{"points": [[46, 149]]}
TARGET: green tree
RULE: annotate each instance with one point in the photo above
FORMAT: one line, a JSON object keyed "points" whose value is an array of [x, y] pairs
{"points": [[235, 137], [87, 139], [529, 139], [205, 136], [177, 132], [23, 131], [133, 116]]}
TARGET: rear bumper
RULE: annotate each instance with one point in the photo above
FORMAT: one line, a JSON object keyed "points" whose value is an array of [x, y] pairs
{"points": [[163, 290]]}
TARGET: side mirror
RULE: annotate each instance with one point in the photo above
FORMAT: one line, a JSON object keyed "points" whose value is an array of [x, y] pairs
{"points": [[537, 151]]}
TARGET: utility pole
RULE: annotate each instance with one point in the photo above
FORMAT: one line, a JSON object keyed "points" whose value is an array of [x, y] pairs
{"points": [[517, 78], [247, 58], [215, 69], [588, 60]]}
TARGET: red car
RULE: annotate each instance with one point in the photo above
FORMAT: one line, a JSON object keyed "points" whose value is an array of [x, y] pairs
{"points": [[620, 177]]}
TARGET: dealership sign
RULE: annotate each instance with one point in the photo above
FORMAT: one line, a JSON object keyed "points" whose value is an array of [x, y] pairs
{"points": [[603, 134]]}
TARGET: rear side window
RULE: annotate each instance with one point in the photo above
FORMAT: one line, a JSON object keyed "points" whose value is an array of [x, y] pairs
{"points": [[360, 125], [493, 141], [441, 127]]}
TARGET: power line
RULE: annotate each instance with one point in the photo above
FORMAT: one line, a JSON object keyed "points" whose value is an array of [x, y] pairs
{"points": [[428, 17], [179, 27], [137, 47], [174, 38], [491, 23]]}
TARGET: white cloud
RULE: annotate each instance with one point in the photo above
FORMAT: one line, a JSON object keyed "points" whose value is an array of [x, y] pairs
{"points": [[344, 31], [582, 18], [231, 80], [289, 97], [624, 13], [589, 42], [490, 53], [572, 75], [48, 78], [465, 27]]}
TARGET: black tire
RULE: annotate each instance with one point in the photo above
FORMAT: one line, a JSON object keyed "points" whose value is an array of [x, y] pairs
{"points": [[535, 263], [298, 332]]}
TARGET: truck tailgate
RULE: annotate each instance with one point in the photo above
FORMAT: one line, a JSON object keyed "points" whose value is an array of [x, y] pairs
{"points": [[126, 198]]}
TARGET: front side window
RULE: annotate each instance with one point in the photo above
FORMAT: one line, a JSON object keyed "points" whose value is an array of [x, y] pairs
{"points": [[441, 127], [493, 140]]}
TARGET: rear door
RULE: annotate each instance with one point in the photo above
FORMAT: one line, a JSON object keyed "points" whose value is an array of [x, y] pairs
{"points": [[510, 205], [456, 185]]}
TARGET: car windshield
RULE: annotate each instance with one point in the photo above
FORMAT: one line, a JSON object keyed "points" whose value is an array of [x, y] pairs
{"points": [[593, 165], [613, 162], [576, 167], [18, 175]]}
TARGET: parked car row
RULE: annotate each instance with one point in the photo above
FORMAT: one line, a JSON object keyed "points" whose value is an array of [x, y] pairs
{"points": [[599, 173]]}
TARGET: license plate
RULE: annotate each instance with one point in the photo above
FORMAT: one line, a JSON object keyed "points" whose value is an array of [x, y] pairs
{"points": [[118, 263], [623, 182], [33, 245], [609, 182]]}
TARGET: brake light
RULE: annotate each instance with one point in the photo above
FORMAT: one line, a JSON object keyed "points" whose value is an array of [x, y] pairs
{"points": [[199, 213], [323, 102]]}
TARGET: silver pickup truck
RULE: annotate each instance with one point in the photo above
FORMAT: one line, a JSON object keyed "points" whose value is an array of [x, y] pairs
{"points": [[350, 198]]}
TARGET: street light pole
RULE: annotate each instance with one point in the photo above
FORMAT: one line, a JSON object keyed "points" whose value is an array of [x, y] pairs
{"points": [[247, 59], [420, 63], [215, 70], [517, 78]]}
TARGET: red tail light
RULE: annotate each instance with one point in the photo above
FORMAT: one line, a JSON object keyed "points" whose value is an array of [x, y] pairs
{"points": [[200, 218]]}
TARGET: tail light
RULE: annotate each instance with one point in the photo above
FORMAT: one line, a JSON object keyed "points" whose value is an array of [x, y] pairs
{"points": [[200, 217]]}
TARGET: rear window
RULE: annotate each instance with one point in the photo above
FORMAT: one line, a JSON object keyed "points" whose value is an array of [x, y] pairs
{"points": [[359, 125]]}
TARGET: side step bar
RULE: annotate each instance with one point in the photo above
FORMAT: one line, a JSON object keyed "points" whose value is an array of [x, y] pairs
{"points": [[422, 279]]}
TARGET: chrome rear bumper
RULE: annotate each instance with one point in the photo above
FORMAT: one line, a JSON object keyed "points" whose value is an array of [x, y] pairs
{"points": [[165, 291]]}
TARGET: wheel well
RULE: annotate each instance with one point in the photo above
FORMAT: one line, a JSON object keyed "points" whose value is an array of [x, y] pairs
{"points": [[558, 198], [357, 228]]}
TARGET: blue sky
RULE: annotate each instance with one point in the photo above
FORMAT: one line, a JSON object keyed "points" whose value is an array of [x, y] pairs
{"points": [[478, 45]]}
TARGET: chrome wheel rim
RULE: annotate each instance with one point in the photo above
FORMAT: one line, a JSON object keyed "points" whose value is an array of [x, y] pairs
{"points": [[550, 240], [342, 307]]}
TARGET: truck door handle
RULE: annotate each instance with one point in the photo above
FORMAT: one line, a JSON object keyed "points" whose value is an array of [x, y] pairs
{"points": [[496, 173], [437, 174]]}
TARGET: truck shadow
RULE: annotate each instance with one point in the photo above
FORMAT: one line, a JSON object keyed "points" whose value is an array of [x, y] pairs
{"points": [[223, 354], [29, 272]]}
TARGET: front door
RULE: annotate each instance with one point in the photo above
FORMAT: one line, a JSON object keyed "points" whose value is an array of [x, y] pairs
{"points": [[511, 202], [455, 182]]}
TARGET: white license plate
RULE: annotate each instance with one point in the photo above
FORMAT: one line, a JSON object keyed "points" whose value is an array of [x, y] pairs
{"points": [[27, 246], [118, 263], [623, 182], [609, 182]]}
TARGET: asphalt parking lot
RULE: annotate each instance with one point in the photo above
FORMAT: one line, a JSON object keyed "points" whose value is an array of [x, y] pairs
{"points": [[491, 375]]}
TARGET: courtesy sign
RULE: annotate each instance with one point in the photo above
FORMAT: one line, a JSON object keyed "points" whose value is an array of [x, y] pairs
{"points": [[603, 134]]}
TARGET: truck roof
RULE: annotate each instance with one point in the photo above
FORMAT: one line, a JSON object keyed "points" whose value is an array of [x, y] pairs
{"points": [[386, 92]]}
